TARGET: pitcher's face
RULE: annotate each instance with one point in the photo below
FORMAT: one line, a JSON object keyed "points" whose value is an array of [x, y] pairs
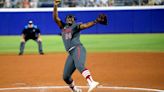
{"points": [[70, 20]]}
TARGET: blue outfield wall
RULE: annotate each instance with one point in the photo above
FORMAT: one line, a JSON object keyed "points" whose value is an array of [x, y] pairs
{"points": [[120, 21]]}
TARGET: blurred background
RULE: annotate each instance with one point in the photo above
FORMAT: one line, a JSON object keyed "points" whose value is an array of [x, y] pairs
{"points": [[77, 3], [136, 28]]}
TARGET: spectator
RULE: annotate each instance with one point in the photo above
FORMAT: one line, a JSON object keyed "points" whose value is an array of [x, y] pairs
{"points": [[162, 3], [70, 3], [34, 3], [111, 3], [2, 3], [25, 4], [154, 2], [144, 2], [18, 5], [157, 2], [91, 3], [76, 3], [135, 2], [82, 3], [104, 3], [14, 3], [7, 4], [73, 3]]}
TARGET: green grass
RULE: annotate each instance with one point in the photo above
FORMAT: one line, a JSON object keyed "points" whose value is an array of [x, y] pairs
{"points": [[93, 43]]}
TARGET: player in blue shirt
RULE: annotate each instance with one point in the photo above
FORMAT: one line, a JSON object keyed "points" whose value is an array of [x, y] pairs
{"points": [[31, 31]]}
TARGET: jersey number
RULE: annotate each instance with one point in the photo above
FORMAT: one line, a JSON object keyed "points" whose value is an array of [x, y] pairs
{"points": [[68, 36]]}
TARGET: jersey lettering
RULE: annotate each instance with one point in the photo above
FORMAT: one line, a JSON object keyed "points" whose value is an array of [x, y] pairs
{"points": [[68, 36]]}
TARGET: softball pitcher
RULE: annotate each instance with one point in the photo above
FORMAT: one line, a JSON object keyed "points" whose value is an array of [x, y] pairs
{"points": [[77, 53]]}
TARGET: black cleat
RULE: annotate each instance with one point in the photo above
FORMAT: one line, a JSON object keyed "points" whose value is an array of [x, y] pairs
{"points": [[20, 54], [41, 53]]}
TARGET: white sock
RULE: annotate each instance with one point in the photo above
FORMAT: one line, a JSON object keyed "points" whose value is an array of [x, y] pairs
{"points": [[72, 85], [88, 76]]}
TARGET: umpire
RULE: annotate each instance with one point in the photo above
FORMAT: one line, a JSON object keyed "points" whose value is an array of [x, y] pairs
{"points": [[31, 31]]}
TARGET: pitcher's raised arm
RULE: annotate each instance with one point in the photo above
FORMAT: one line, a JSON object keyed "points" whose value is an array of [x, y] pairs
{"points": [[55, 13]]}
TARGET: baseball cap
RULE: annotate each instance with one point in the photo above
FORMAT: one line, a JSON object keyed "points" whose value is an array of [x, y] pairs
{"points": [[30, 22]]}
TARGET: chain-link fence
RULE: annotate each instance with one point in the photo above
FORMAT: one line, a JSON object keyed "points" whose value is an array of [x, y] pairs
{"points": [[76, 3]]}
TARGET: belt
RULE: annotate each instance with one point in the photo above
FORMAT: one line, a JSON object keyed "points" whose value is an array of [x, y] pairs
{"points": [[71, 48]]}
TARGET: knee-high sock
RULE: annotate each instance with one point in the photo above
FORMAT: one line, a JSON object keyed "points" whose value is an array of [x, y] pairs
{"points": [[22, 45], [86, 73]]}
